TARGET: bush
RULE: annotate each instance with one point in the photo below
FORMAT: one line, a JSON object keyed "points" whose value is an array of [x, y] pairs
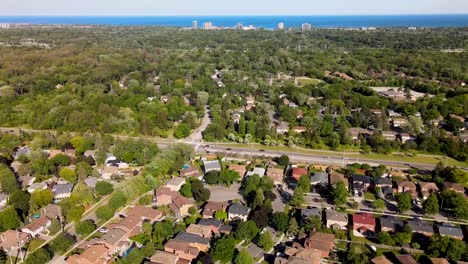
{"points": [[104, 188], [61, 243], [105, 212], [117, 200], [85, 228], [39, 256]]}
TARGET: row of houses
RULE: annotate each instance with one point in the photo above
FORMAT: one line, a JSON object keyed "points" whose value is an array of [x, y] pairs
{"points": [[117, 240]]}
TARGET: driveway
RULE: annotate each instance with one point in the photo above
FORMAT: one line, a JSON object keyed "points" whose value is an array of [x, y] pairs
{"points": [[223, 194]]}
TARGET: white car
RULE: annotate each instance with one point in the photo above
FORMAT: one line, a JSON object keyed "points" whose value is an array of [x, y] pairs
{"points": [[103, 230]]}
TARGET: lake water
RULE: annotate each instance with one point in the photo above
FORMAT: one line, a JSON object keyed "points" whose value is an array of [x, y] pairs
{"points": [[268, 22]]}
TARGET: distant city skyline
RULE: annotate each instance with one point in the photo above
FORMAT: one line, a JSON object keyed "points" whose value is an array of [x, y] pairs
{"points": [[228, 8]]}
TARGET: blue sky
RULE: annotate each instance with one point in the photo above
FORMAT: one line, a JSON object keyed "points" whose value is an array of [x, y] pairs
{"points": [[229, 7]]}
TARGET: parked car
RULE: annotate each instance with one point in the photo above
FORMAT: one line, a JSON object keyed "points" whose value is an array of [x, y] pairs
{"points": [[103, 230]]}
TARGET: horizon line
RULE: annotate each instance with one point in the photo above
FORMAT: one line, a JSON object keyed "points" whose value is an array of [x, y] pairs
{"points": [[239, 15]]}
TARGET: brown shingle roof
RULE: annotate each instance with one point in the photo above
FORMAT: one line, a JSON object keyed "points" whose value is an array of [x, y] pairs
{"points": [[37, 223]]}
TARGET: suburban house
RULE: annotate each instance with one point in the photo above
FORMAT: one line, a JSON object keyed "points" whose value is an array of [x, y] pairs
{"points": [[62, 191], [181, 205], [335, 178], [190, 171], [380, 260], [211, 208], [13, 239], [360, 184], [211, 165], [421, 227], [216, 226], [382, 182], [200, 230], [399, 121], [455, 187], [407, 186], [405, 137], [311, 212], [162, 257], [91, 182], [108, 172], [389, 135], [390, 224], [256, 171], [238, 211], [406, 259], [26, 181], [427, 188], [37, 186], [203, 244], [319, 178], [182, 249], [282, 128], [450, 231], [299, 129], [277, 174], [164, 196], [440, 261], [322, 242], [116, 240], [336, 220], [363, 225], [239, 169], [37, 226], [175, 184], [95, 254], [52, 211], [296, 173]]}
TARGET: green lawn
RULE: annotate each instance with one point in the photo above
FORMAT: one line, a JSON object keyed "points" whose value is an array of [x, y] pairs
{"points": [[34, 244], [305, 81], [423, 159]]}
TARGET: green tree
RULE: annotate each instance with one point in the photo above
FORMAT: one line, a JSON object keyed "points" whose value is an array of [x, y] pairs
{"points": [[182, 131], [40, 256], [105, 212], [293, 227], [431, 205], [104, 188], [186, 189], [9, 219], [386, 238], [40, 198], [446, 247], [212, 177], [84, 228], [55, 226], [117, 200], [339, 194], [162, 231], [297, 198], [223, 249], [61, 243], [243, 257], [228, 177], [61, 160], [304, 184], [75, 213], [259, 199], [280, 221], [80, 145], [283, 160], [265, 241], [8, 182], [19, 199], [404, 201], [246, 230], [68, 175], [221, 215]]}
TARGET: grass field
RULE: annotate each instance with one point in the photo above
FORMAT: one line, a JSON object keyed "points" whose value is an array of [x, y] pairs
{"points": [[400, 157], [34, 244], [305, 81]]}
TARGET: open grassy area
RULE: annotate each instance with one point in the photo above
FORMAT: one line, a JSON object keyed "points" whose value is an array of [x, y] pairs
{"points": [[35, 243], [399, 157], [305, 81]]}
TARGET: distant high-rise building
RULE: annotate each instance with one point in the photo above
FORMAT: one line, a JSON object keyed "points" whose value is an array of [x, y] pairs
{"points": [[207, 25], [280, 26], [4, 25], [194, 24], [239, 26], [306, 26]]}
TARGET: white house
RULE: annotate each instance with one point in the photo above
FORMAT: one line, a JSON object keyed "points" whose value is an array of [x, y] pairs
{"points": [[37, 226]]}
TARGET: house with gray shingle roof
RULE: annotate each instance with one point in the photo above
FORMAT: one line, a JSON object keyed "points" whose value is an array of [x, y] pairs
{"points": [[238, 211], [320, 178], [450, 231], [211, 165], [62, 191]]}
